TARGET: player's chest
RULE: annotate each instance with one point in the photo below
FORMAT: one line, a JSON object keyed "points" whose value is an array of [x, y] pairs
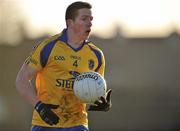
{"points": [[84, 60]]}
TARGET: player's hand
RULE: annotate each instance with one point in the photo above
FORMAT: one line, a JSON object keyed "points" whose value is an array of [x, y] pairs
{"points": [[104, 104], [46, 113]]}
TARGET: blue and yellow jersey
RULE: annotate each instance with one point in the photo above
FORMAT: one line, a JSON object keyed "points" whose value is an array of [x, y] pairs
{"points": [[58, 64]]}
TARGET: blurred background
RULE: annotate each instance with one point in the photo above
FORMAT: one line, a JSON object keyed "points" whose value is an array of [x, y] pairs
{"points": [[141, 43]]}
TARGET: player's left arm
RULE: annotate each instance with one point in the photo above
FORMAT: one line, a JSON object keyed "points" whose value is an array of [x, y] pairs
{"points": [[104, 103]]}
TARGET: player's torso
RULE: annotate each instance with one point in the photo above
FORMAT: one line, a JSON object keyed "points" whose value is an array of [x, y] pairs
{"points": [[56, 80], [65, 63]]}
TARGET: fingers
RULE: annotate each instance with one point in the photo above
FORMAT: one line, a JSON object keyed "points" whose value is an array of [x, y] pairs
{"points": [[48, 121], [46, 113], [97, 102], [103, 99], [108, 97], [51, 122], [93, 108], [53, 106], [52, 118]]}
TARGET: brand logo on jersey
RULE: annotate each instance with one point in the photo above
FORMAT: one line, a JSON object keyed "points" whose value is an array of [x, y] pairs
{"points": [[91, 64], [75, 57], [68, 84], [74, 73], [59, 58]]}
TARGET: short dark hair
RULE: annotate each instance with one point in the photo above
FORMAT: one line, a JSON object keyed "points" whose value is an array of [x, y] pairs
{"points": [[71, 11]]}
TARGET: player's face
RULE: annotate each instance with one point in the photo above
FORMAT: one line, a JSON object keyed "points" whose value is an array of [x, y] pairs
{"points": [[82, 23]]}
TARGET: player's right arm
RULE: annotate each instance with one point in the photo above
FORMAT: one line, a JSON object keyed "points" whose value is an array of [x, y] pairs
{"points": [[27, 72], [24, 86]]}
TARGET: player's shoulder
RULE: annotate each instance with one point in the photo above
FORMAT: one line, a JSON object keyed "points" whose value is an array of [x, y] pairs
{"points": [[50, 39], [41, 44], [94, 46]]}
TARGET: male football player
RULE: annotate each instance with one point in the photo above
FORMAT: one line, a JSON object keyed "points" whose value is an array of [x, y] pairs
{"points": [[54, 63]]}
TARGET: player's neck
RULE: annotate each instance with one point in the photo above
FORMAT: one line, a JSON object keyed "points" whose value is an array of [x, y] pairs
{"points": [[73, 39]]}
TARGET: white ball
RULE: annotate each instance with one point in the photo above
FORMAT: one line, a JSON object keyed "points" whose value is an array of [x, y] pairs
{"points": [[89, 87]]}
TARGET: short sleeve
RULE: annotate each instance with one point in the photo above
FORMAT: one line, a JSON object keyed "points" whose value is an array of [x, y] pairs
{"points": [[33, 59], [102, 67]]}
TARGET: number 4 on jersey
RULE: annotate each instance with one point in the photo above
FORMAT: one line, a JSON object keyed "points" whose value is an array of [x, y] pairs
{"points": [[75, 63]]}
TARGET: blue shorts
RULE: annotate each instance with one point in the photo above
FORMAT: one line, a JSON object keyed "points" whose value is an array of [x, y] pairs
{"points": [[75, 128]]}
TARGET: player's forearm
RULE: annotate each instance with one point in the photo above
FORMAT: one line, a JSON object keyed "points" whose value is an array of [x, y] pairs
{"points": [[26, 89]]}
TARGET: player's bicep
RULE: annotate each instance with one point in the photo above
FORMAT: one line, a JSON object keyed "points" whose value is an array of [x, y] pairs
{"points": [[26, 73]]}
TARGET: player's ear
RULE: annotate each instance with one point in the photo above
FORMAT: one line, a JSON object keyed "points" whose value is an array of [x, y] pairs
{"points": [[69, 22]]}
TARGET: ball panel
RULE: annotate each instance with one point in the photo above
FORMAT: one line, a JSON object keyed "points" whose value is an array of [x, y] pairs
{"points": [[78, 89], [86, 94], [92, 91]]}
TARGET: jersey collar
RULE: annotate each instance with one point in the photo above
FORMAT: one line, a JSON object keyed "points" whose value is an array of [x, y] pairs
{"points": [[64, 38]]}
